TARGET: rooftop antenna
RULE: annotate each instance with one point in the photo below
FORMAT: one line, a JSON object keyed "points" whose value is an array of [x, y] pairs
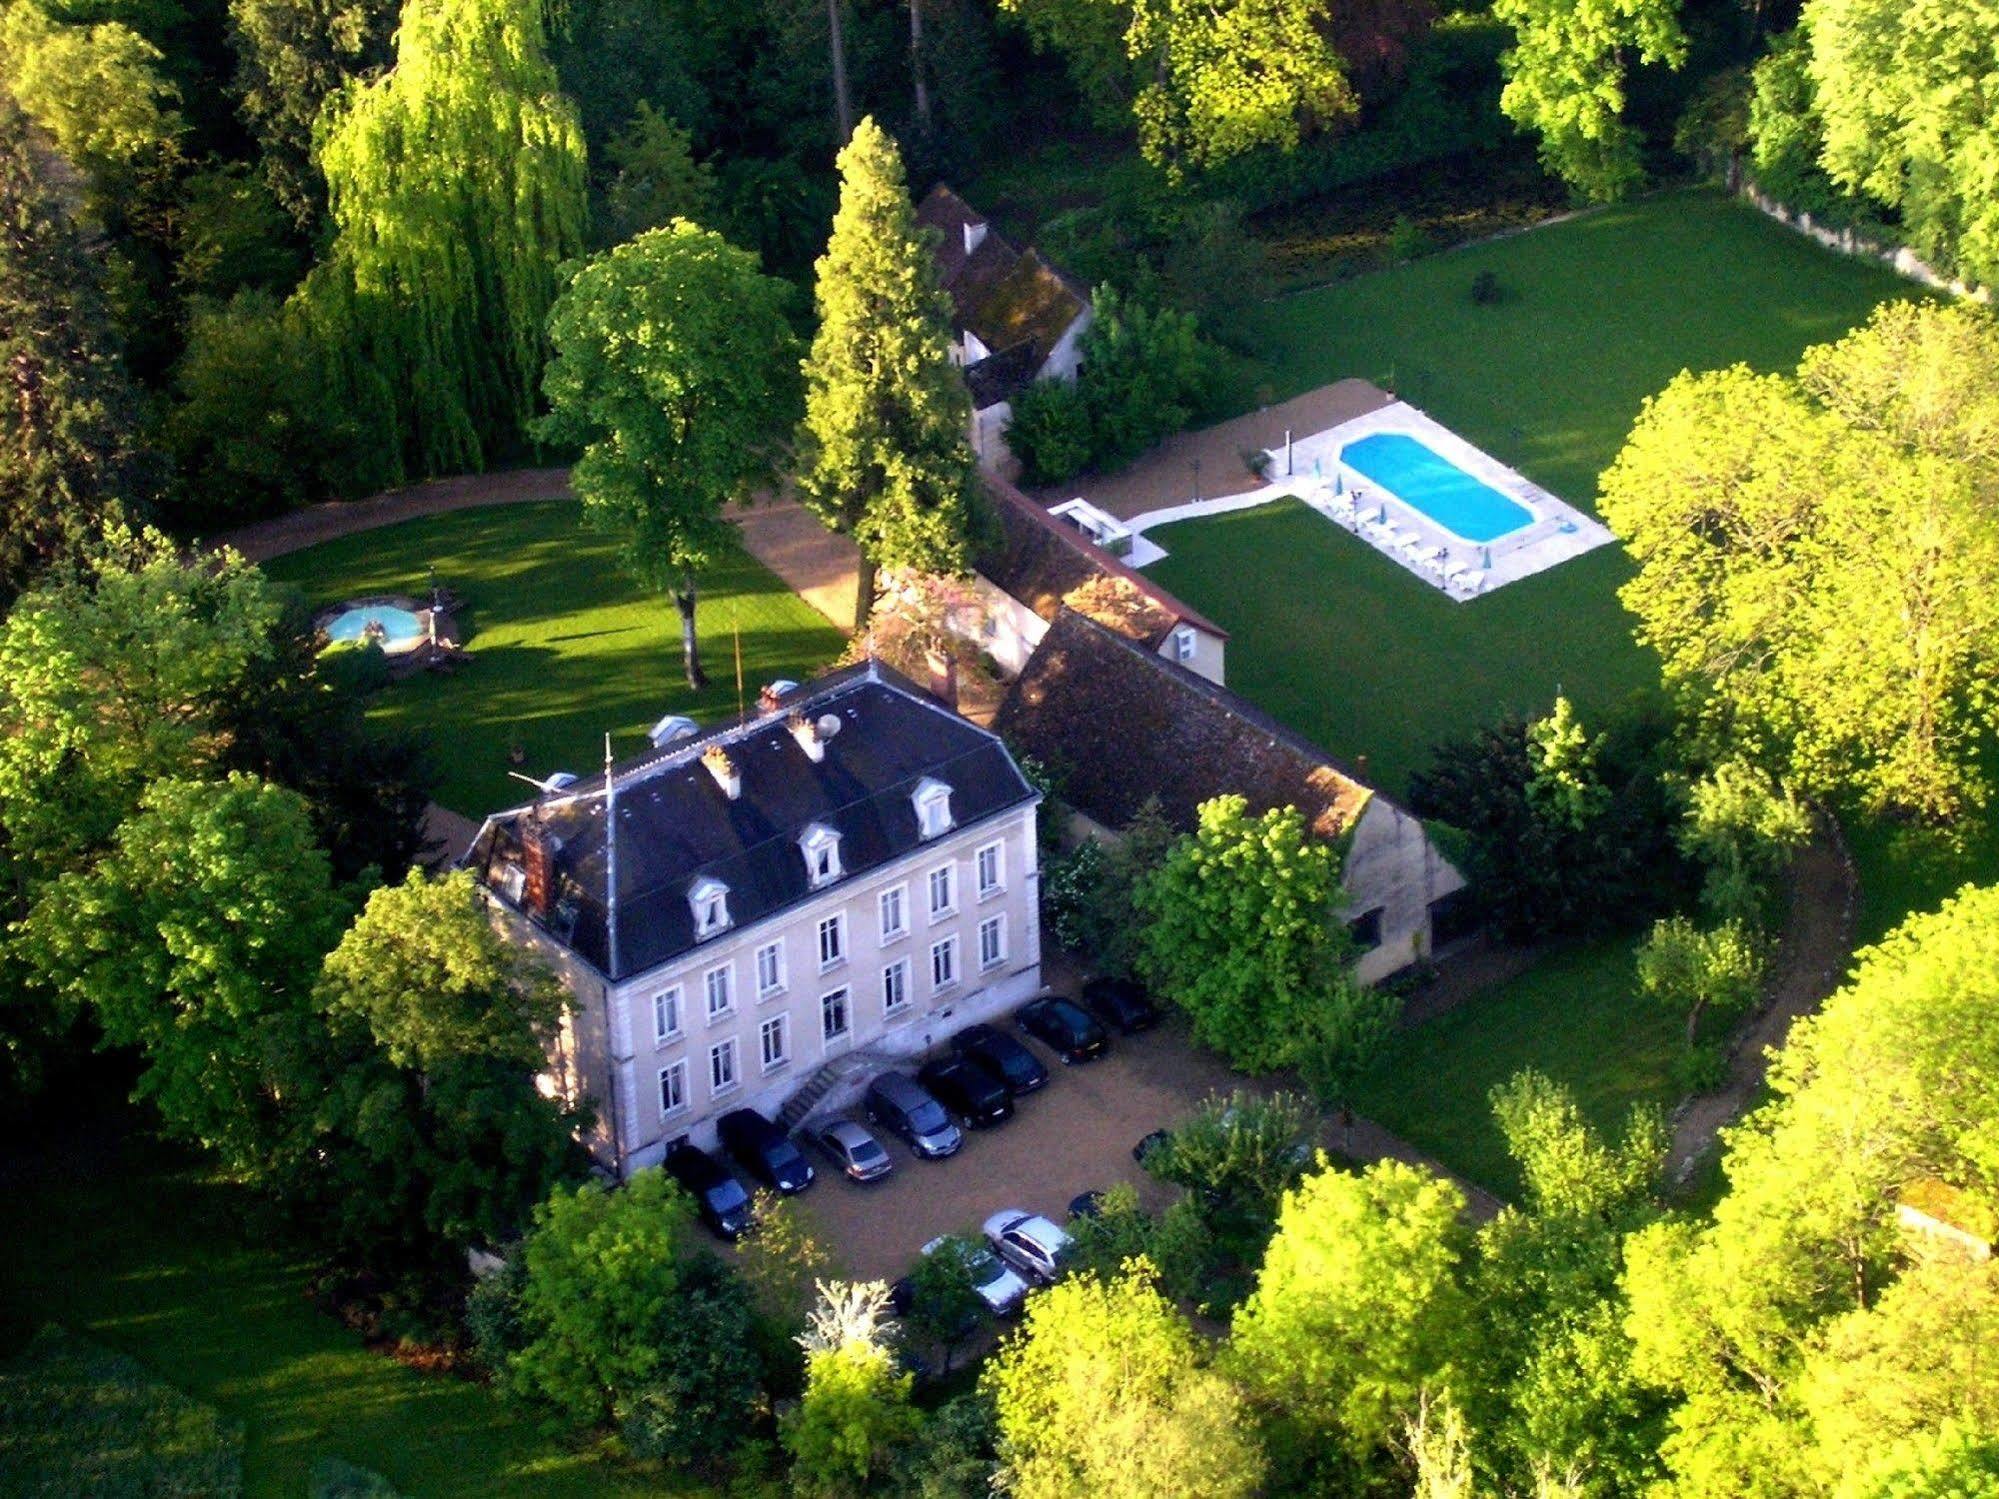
{"points": [[736, 628], [610, 859]]}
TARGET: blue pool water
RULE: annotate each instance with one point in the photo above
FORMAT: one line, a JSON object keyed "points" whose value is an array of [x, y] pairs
{"points": [[1440, 489], [399, 626]]}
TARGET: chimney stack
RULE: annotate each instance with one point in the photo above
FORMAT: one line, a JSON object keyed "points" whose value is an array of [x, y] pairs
{"points": [[537, 867], [806, 732], [767, 698], [724, 770]]}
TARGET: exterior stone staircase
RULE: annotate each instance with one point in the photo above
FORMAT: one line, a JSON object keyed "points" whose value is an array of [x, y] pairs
{"points": [[834, 1081]]}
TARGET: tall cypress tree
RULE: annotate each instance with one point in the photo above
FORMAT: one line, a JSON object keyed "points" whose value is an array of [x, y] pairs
{"points": [[456, 187], [70, 451], [887, 454]]}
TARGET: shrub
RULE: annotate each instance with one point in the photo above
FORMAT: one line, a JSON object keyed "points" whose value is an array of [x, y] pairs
{"points": [[1486, 290], [1406, 240], [1714, 973], [1049, 433]]}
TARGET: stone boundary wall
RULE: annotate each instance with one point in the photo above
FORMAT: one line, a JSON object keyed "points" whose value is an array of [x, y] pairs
{"points": [[1898, 258]]}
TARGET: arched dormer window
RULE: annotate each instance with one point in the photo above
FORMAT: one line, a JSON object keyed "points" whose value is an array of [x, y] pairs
{"points": [[821, 847], [710, 901], [933, 807]]}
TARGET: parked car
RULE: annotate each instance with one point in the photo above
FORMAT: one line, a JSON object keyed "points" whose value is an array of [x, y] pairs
{"points": [[1122, 1003], [1149, 1144], [856, 1152], [1017, 1067], [1086, 1204], [998, 1284], [718, 1197], [1062, 1026], [976, 1096], [764, 1150], [1029, 1242], [897, 1102]]}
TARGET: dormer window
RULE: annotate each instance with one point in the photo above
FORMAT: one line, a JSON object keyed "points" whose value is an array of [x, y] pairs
{"points": [[821, 846], [710, 901], [933, 808]]}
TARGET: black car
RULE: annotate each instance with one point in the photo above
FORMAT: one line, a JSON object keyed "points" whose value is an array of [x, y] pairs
{"points": [[719, 1198], [1059, 1024], [996, 1051], [896, 1101], [764, 1150], [976, 1096], [1120, 1002]]}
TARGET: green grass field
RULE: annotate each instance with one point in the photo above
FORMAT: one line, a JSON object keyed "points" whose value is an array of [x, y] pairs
{"points": [[1598, 313], [565, 648], [141, 1250], [1576, 1015]]}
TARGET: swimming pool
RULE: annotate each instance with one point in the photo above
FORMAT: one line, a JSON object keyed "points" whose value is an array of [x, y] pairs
{"points": [[1407, 469], [401, 629]]}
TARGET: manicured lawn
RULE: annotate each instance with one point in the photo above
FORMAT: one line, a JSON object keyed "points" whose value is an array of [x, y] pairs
{"points": [[138, 1249], [1367, 659], [1598, 313], [564, 646], [1576, 1015]]}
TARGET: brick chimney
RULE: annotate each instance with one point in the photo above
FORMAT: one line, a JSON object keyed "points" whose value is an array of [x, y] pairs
{"points": [[767, 698], [943, 677], [537, 866], [724, 770]]}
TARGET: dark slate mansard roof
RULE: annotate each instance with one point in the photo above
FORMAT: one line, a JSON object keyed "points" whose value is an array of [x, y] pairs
{"points": [[675, 825]]}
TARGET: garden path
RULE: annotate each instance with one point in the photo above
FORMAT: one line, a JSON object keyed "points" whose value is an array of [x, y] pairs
{"points": [[1813, 958]]}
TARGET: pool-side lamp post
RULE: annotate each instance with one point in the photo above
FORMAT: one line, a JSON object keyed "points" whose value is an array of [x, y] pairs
{"points": [[1288, 470]]}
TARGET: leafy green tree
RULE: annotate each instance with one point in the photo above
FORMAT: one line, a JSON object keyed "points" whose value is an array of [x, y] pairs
{"points": [[195, 940], [70, 425], [856, 1410], [1565, 788], [1905, 93], [1145, 372], [1712, 974], [1552, 1389], [781, 1261], [1565, 81], [1088, 894], [233, 234], [1742, 827], [697, 1405], [1358, 1309], [1223, 79], [1240, 1153], [1090, 37], [97, 88], [427, 1135], [886, 456], [655, 178], [681, 420], [293, 57], [951, 1457], [1895, 1080], [1342, 1039], [452, 207], [1105, 1392], [1810, 552], [112, 680], [1238, 929], [1049, 432], [944, 1303], [601, 1277]]}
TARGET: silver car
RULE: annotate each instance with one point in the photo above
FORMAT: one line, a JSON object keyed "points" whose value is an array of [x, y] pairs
{"points": [[1030, 1243], [998, 1285], [856, 1152]]}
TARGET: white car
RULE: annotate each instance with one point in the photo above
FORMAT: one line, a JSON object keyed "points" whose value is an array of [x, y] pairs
{"points": [[998, 1285], [1029, 1242]]}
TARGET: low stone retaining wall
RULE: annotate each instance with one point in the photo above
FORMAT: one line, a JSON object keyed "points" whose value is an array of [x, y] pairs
{"points": [[1898, 258]]}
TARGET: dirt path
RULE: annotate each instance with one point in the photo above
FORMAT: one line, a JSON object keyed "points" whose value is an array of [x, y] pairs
{"points": [[296, 530], [1816, 948]]}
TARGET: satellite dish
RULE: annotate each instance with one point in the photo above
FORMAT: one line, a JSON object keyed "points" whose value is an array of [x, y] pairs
{"points": [[673, 726], [828, 725]]}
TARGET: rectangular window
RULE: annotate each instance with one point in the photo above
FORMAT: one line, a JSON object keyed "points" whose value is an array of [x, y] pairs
{"points": [[992, 942], [673, 1088], [1183, 643], [772, 1034], [721, 991], [943, 891], [666, 1014], [722, 1067], [770, 970], [895, 913], [992, 872], [943, 964], [834, 1017], [832, 940], [1365, 929], [895, 986]]}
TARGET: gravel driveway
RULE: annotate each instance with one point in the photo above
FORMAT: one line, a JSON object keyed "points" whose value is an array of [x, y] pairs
{"points": [[1072, 1135]]}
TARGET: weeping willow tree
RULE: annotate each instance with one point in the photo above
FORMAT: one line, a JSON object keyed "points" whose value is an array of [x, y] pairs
{"points": [[456, 187]]}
